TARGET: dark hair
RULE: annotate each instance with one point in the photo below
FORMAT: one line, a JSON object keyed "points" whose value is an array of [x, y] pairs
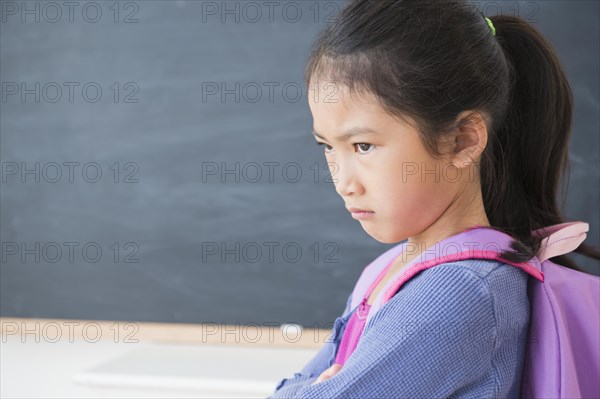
{"points": [[432, 60]]}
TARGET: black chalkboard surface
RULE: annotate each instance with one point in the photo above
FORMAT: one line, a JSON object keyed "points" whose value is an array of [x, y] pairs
{"points": [[158, 164]]}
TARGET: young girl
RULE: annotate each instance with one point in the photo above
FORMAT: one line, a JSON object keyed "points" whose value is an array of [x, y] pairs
{"points": [[436, 120]]}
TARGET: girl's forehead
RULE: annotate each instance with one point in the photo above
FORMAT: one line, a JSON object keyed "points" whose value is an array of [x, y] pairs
{"points": [[343, 107], [336, 97], [341, 91], [332, 117]]}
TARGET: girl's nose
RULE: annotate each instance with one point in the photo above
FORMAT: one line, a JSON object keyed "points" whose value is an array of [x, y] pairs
{"points": [[345, 180]]}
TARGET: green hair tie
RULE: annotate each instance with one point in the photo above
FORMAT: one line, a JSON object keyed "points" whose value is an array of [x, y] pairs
{"points": [[489, 21]]}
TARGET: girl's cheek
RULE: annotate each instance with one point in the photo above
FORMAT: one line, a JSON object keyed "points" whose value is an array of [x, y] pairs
{"points": [[332, 165]]}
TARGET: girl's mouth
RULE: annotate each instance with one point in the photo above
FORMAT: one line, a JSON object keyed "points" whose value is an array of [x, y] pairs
{"points": [[360, 213]]}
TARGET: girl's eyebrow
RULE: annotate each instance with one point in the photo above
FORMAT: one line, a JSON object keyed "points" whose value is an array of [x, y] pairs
{"points": [[348, 134]]}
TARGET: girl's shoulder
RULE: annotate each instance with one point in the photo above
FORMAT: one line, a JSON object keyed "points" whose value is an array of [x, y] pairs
{"points": [[503, 287], [483, 268], [473, 291], [501, 281]]}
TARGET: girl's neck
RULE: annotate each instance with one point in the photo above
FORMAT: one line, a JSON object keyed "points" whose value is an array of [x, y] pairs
{"points": [[459, 216]]}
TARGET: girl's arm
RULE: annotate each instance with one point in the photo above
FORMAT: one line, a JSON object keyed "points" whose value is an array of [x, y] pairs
{"points": [[435, 338], [318, 364]]}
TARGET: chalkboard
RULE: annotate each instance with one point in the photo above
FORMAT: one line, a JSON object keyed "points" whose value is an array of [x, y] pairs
{"points": [[158, 164]]}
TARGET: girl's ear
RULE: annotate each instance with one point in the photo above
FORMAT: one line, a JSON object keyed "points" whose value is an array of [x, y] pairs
{"points": [[468, 140]]}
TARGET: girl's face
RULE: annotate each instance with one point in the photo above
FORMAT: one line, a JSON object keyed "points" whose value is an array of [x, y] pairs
{"points": [[378, 164]]}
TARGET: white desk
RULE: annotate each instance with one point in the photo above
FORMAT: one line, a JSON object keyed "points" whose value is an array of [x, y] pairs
{"points": [[143, 370]]}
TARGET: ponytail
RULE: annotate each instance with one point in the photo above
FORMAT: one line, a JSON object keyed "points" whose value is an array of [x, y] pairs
{"points": [[522, 169]]}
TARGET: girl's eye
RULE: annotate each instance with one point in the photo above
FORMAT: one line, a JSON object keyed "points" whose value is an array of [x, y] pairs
{"points": [[364, 147], [327, 146]]}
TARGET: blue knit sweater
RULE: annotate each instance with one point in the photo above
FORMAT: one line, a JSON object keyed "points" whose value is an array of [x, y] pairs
{"points": [[457, 330]]}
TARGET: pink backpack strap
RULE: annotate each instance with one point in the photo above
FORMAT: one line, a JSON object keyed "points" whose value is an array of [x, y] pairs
{"points": [[528, 267], [563, 238], [372, 271]]}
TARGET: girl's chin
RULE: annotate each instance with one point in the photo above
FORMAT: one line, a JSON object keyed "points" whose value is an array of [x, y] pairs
{"points": [[383, 238]]}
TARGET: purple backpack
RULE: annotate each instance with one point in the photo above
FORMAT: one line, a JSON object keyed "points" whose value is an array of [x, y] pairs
{"points": [[563, 349]]}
